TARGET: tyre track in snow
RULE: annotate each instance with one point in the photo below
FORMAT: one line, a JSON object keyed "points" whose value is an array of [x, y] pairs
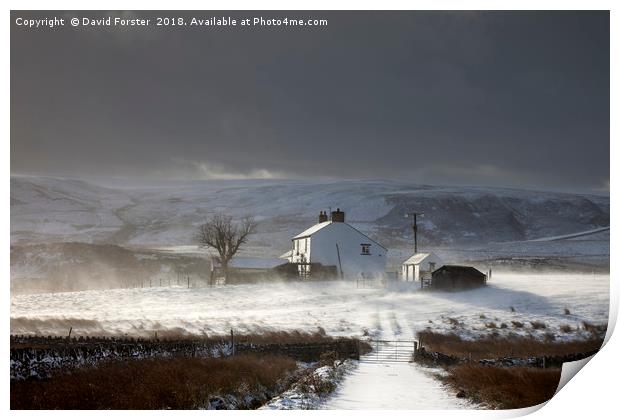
{"points": [[391, 385]]}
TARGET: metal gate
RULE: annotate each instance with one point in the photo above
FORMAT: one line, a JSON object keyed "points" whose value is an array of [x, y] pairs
{"points": [[390, 351]]}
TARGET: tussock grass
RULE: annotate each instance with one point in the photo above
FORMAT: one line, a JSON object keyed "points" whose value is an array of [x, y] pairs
{"points": [[594, 329], [506, 387], [175, 383], [315, 384], [538, 325], [490, 346], [517, 324], [565, 328], [285, 337], [261, 337], [453, 321], [503, 388]]}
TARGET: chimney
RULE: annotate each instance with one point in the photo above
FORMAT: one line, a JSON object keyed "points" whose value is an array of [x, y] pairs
{"points": [[338, 216], [322, 217]]}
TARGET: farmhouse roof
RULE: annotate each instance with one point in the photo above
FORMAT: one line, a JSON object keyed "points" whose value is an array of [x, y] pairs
{"points": [[314, 229]]}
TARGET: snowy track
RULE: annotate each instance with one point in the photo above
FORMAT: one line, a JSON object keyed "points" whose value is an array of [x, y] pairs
{"points": [[391, 385]]}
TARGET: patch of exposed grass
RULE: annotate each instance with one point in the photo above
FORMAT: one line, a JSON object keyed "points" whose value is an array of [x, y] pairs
{"points": [[566, 328], [517, 324], [364, 347], [491, 325], [538, 325], [503, 388], [285, 337], [453, 321], [316, 384], [175, 383], [594, 329]]}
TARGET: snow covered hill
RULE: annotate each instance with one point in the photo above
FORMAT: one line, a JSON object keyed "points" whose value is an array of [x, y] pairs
{"points": [[45, 209]]}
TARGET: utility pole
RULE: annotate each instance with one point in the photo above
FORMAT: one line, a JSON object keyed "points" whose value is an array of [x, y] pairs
{"points": [[415, 229]]}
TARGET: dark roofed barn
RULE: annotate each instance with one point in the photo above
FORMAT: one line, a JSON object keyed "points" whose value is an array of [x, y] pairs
{"points": [[457, 277]]}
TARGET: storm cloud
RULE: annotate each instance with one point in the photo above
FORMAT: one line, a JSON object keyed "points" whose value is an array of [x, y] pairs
{"points": [[487, 98]]}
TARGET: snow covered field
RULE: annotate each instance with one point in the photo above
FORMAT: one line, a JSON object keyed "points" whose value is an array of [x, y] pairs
{"points": [[341, 309], [338, 307]]}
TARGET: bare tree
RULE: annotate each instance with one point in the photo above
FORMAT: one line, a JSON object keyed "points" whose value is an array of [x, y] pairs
{"points": [[225, 236]]}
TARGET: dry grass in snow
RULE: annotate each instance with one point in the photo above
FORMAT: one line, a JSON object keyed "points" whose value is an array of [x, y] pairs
{"points": [[490, 347], [503, 388], [175, 383]]}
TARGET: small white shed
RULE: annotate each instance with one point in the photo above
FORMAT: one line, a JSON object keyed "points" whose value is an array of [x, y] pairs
{"points": [[420, 265]]}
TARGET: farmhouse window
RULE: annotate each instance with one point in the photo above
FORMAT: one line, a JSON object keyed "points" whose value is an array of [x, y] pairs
{"points": [[365, 249]]}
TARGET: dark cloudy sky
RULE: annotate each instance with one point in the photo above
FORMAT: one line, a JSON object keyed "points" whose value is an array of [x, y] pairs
{"points": [[517, 99]]}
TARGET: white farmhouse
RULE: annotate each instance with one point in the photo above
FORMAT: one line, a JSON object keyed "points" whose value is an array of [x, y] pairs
{"points": [[420, 265], [337, 244]]}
